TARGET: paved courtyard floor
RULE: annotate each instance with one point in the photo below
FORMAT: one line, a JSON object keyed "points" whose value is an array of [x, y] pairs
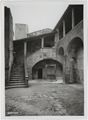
{"points": [[45, 99]]}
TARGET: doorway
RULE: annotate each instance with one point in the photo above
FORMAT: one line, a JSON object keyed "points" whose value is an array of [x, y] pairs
{"points": [[40, 73]]}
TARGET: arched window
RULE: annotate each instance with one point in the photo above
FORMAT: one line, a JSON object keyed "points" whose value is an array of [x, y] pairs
{"points": [[61, 51]]}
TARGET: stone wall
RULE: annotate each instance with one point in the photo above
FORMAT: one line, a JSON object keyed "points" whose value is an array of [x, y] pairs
{"points": [[80, 65], [69, 72], [21, 31], [8, 43], [77, 31], [66, 48]]}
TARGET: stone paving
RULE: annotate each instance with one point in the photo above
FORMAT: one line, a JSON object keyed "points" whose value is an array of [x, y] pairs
{"points": [[42, 99]]}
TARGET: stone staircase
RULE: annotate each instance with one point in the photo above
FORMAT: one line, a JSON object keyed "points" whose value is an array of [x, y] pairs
{"points": [[17, 78]]}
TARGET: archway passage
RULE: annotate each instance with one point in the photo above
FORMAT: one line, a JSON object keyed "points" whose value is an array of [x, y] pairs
{"points": [[75, 53], [47, 69], [40, 73]]}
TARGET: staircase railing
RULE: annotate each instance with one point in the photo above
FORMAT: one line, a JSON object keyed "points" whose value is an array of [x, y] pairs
{"points": [[25, 72]]}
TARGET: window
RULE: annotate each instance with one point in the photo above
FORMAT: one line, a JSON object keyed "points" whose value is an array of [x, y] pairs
{"points": [[61, 51], [49, 41]]}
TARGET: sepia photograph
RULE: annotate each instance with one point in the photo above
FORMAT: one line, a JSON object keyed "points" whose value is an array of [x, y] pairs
{"points": [[44, 58]]}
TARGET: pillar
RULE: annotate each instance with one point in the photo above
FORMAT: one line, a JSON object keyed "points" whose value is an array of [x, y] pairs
{"points": [[64, 69], [25, 48], [56, 37], [42, 42], [73, 19], [25, 63], [57, 30], [71, 71], [63, 28]]}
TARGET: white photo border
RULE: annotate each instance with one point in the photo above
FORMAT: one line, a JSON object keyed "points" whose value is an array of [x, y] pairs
{"points": [[85, 3]]}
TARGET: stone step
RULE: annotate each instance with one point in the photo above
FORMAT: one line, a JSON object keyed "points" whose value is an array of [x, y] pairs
{"points": [[18, 67], [17, 76], [16, 81], [11, 84], [16, 71], [18, 64], [16, 86]]}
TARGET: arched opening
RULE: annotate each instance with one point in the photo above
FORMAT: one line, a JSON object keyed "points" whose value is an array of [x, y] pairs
{"points": [[75, 53], [61, 51], [47, 69]]}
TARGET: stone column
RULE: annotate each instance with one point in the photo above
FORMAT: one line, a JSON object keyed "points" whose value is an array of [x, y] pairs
{"points": [[57, 30], [64, 69], [73, 19], [42, 42], [25, 49], [72, 62], [63, 28], [56, 37], [25, 63]]}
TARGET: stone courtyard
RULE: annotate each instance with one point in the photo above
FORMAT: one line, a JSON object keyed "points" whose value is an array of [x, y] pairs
{"points": [[44, 69], [45, 99]]}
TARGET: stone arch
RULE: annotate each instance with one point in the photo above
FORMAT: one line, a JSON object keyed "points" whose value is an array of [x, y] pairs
{"points": [[74, 45], [61, 51], [47, 69], [75, 59]]}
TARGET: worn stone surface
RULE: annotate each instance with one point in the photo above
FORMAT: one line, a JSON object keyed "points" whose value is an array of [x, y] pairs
{"points": [[45, 99]]}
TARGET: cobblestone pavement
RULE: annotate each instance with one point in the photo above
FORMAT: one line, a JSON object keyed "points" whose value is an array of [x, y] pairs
{"points": [[45, 99]]}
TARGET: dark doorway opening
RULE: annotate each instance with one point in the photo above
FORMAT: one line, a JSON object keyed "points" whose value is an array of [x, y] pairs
{"points": [[40, 73]]}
